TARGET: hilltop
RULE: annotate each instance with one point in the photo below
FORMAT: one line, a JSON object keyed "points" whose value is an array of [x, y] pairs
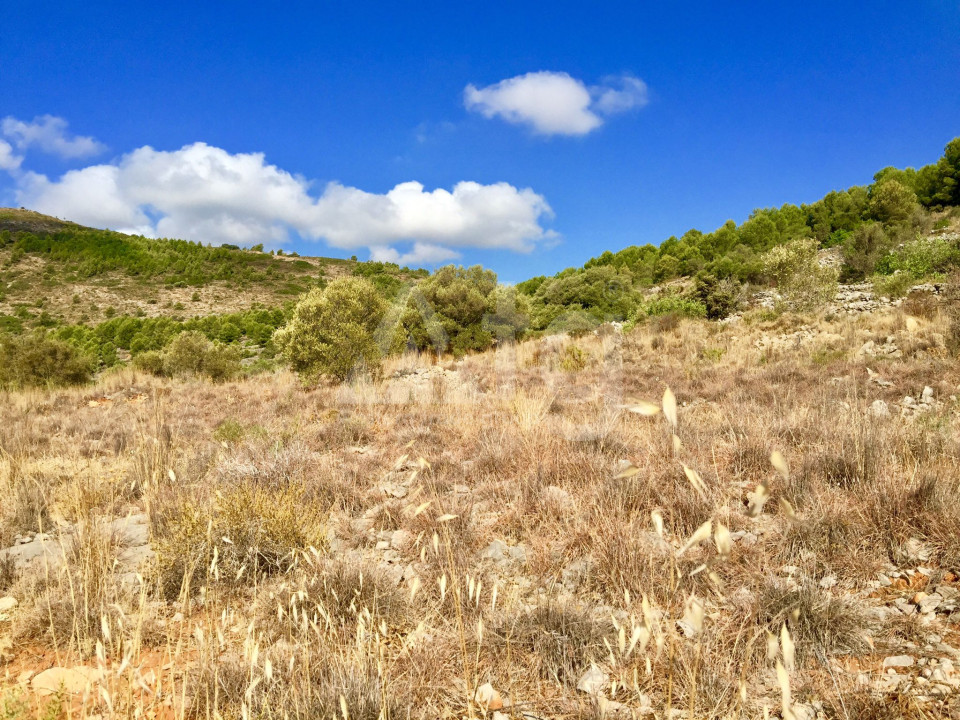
{"points": [[67, 273]]}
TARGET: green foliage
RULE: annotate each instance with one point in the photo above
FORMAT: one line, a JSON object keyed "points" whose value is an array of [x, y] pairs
{"points": [[38, 359], [921, 258], [864, 248], [892, 286], [461, 310], [573, 359], [150, 361], [585, 297], [335, 331], [802, 282], [229, 431], [191, 354], [892, 202], [677, 305], [720, 298]]}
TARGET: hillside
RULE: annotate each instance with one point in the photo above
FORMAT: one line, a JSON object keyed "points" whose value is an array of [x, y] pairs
{"points": [[65, 273], [743, 519]]}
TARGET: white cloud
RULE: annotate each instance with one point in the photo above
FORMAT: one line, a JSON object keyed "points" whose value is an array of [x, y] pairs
{"points": [[620, 94], [49, 133], [200, 192], [554, 103], [9, 160], [419, 254]]}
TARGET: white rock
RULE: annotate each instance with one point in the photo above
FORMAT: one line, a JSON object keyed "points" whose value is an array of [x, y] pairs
{"points": [[593, 681], [488, 698], [927, 396], [895, 661], [879, 409], [7, 604], [75, 680]]}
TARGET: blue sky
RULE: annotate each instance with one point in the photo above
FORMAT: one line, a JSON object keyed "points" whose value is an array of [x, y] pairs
{"points": [[540, 134]]}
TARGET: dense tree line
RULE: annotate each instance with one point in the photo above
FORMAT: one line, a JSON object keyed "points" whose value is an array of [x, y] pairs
{"points": [[874, 227]]}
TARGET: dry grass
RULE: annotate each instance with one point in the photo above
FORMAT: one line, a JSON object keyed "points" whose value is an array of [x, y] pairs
{"points": [[309, 561]]}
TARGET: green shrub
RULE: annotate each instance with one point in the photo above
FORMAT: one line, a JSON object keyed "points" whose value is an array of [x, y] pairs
{"points": [[892, 286], [673, 305], [37, 359], [334, 331], [921, 257], [192, 354], [573, 358], [150, 361], [228, 431], [185, 355], [802, 282], [864, 248], [720, 298]]}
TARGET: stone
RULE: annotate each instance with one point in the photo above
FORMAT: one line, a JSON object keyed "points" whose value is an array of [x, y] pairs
{"points": [[879, 409], [68, 680], [361, 525], [930, 603], [593, 681], [802, 711], [927, 395], [898, 661], [488, 698], [401, 539], [495, 551], [828, 581], [7, 604], [557, 497]]}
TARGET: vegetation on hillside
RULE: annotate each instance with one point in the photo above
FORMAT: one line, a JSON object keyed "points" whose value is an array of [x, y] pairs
{"points": [[874, 228], [886, 232]]}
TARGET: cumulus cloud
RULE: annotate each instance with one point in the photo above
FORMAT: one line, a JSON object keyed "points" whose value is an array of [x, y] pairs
{"points": [[9, 160], [49, 133], [554, 103], [201, 192]]}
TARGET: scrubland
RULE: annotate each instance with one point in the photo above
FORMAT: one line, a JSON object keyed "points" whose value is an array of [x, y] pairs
{"points": [[536, 531]]}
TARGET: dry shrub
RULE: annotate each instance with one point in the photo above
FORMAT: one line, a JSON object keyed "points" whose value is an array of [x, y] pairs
{"points": [[339, 591], [921, 304], [245, 531], [68, 600], [8, 572], [312, 682], [557, 641], [821, 625], [25, 506]]}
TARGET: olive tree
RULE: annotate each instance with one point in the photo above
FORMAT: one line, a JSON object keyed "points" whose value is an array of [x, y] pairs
{"points": [[334, 331]]}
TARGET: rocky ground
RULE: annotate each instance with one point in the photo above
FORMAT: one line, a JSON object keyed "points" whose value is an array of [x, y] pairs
{"points": [[779, 535]]}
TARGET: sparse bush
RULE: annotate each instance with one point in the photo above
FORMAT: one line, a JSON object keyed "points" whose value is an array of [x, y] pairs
{"points": [[37, 359], [573, 359], [334, 331], [560, 641], [803, 283], [150, 362], [190, 354], [255, 530]]}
